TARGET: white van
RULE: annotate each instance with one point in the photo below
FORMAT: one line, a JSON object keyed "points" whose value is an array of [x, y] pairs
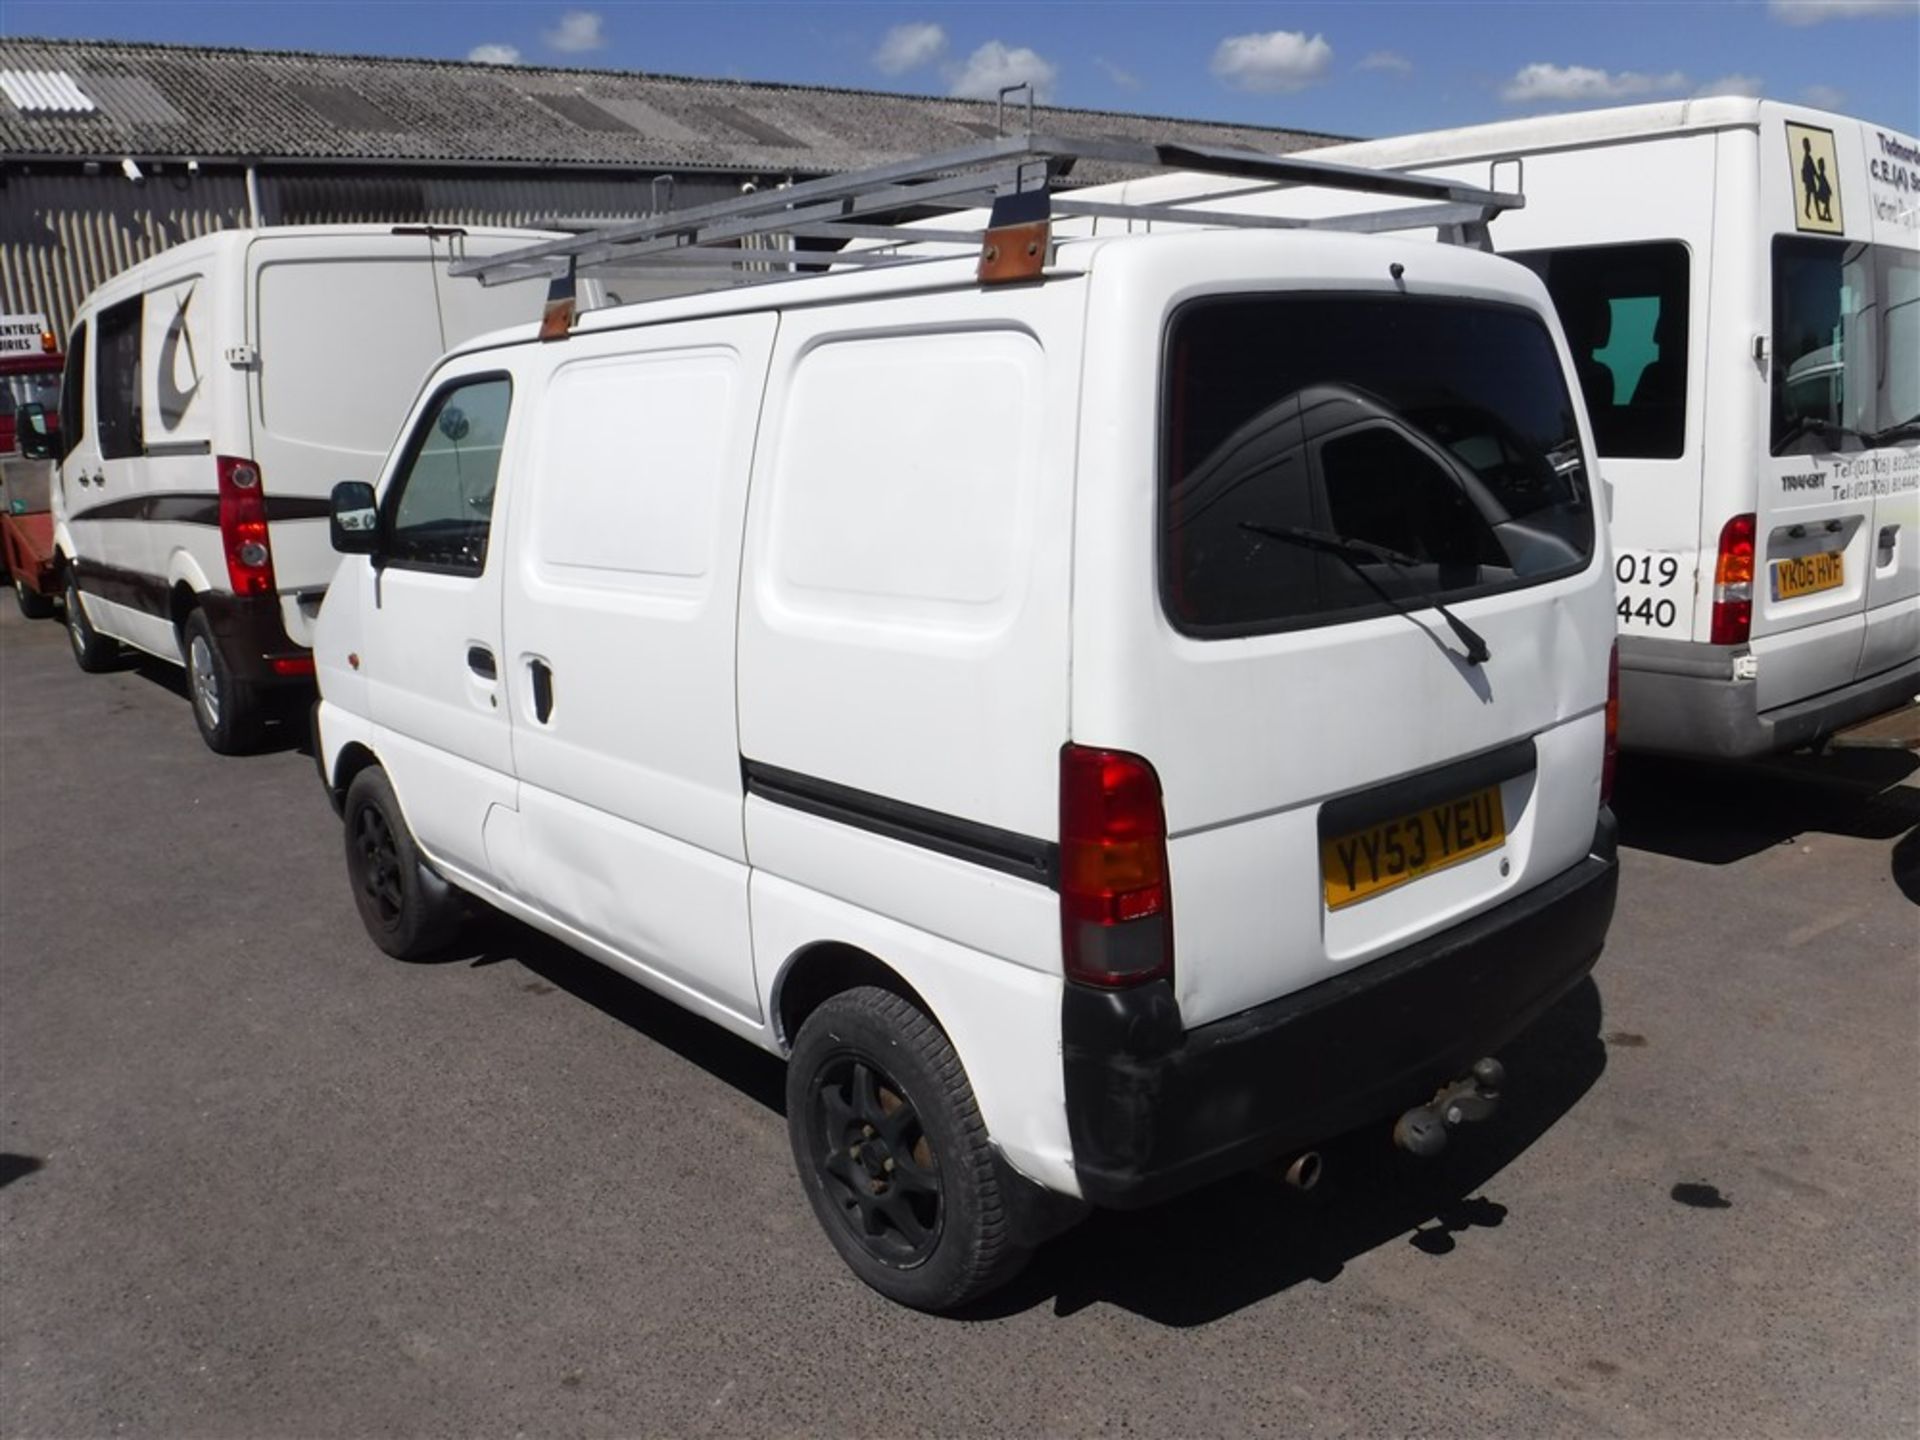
{"points": [[1740, 282], [1106, 726], [212, 397]]}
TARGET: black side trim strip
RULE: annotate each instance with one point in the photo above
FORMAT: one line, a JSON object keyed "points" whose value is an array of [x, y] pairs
{"points": [[200, 508], [1004, 850], [1429, 787]]}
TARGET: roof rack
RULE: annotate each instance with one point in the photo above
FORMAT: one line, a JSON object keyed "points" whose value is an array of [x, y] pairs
{"points": [[916, 203]]}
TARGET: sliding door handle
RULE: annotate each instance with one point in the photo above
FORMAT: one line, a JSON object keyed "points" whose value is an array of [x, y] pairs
{"points": [[542, 690], [480, 661]]}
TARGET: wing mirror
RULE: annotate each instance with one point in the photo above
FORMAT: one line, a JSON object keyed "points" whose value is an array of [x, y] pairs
{"points": [[36, 438], [354, 526]]}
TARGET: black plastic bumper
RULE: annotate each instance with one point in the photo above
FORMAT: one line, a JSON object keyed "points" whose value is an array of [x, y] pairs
{"points": [[253, 638], [1154, 1110]]}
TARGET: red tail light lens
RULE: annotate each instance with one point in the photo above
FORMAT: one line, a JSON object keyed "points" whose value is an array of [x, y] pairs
{"points": [[1610, 757], [243, 527], [1116, 903], [1733, 583]]}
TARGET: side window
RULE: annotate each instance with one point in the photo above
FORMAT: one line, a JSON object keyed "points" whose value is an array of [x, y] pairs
{"points": [[73, 392], [1900, 347], [1624, 308], [116, 381], [440, 506]]}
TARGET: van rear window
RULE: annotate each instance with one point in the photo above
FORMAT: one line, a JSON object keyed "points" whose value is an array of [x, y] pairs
{"points": [[1437, 434]]}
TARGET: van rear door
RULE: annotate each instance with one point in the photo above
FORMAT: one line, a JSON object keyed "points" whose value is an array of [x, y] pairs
{"points": [[1340, 777]]}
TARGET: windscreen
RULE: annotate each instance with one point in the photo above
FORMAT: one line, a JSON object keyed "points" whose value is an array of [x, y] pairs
{"points": [[1322, 453]]}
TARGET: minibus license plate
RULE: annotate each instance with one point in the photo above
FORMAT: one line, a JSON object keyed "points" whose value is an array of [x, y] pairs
{"points": [[1808, 575], [1359, 865]]}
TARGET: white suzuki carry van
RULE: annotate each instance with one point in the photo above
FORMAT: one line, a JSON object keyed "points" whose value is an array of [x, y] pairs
{"points": [[1110, 715], [212, 397]]}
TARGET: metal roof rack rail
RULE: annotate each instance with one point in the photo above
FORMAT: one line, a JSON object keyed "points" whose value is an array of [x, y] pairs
{"points": [[753, 238]]}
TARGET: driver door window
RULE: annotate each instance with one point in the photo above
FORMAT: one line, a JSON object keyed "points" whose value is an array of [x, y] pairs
{"points": [[440, 508]]}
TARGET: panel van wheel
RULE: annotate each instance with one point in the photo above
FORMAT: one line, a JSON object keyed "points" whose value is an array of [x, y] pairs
{"points": [[227, 712], [894, 1155], [33, 604], [410, 912], [92, 651]]}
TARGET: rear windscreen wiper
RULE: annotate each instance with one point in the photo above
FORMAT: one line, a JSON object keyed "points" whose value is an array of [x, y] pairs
{"points": [[1907, 429], [1827, 430], [1353, 552]]}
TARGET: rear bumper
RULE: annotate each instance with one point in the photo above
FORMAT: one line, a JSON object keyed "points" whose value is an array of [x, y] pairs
{"points": [[1679, 699], [1154, 1110], [253, 640]]}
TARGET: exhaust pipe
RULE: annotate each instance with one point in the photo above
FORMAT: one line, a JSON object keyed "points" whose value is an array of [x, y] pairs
{"points": [[1303, 1172]]}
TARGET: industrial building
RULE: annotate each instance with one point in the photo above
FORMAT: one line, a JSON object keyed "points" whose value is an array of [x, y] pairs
{"points": [[111, 152]]}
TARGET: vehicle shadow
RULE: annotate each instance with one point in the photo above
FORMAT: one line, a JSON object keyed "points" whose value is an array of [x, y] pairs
{"points": [[1716, 814], [285, 727], [1208, 1254], [492, 937], [1204, 1256]]}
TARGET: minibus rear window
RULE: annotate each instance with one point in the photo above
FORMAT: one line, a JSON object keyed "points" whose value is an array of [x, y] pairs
{"points": [[1845, 321], [1624, 308], [1439, 433]]}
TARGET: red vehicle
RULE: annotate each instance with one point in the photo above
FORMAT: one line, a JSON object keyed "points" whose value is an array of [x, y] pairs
{"points": [[26, 527]]}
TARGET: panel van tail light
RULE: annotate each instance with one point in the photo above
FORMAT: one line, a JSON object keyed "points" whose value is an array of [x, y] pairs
{"points": [[1610, 757], [243, 527], [1733, 583], [1116, 899]]}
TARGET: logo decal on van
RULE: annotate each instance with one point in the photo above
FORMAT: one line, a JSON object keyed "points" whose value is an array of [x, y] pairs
{"points": [[1812, 480], [1816, 179]]}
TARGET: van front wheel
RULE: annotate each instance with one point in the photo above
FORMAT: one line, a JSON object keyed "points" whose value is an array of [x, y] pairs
{"points": [[410, 912], [227, 712], [893, 1153], [92, 651]]}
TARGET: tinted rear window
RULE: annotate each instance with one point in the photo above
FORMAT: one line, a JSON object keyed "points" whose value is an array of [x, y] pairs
{"points": [[1440, 431]]}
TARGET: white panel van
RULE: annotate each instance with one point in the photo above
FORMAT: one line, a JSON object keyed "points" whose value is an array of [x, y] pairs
{"points": [[1105, 730], [213, 396], [1740, 282]]}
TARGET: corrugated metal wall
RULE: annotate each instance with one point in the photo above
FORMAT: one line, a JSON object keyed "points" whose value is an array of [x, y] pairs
{"points": [[63, 234]]}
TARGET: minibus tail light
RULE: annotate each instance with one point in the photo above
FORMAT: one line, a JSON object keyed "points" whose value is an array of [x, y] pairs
{"points": [[243, 527], [1733, 583], [1116, 902], [1610, 757]]}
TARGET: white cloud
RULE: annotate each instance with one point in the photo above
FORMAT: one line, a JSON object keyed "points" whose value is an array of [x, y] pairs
{"points": [[1537, 83], [1749, 85], [994, 66], [908, 47], [1814, 12], [578, 31], [1824, 97], [1387, 60], [1123, 79], [1277, 62], [494, 55]]}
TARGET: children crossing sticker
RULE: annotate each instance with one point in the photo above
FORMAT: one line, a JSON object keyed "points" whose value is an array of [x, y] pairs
{"points": [[1816, 179]]}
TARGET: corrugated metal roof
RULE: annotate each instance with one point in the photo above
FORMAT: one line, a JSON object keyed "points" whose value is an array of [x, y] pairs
{"points": [[159, 101]]}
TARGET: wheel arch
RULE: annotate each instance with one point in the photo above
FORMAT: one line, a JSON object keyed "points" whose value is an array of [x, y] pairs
{"points": [[816, 972], [347, 765]]}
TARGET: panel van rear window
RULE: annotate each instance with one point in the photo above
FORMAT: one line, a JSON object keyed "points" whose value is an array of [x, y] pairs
{"points": [[1438, 435]]}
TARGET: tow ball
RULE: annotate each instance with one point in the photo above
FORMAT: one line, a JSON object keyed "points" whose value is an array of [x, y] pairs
{"points": [[1474, 1096]]}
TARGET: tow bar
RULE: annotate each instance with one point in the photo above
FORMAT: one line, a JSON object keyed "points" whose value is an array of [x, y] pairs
{"points": [[1423, 1130]]}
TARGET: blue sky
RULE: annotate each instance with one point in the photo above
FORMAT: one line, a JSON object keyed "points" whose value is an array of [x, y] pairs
{"points": [[1365, 67]]}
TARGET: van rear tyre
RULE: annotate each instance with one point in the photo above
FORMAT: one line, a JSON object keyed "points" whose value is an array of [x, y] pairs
{"points": [[33, 604], [227, 712], [410, 912], [894, 1156], [92, 651]]}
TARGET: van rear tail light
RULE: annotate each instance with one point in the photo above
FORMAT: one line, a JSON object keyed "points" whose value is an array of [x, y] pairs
{"points": [[1610, 757], [243, 527], [1116, 902], [1733, 583]]}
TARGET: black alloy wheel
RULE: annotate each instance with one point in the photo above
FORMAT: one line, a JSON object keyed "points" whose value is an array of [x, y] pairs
{"points": [[408, 909], [877, 1163]]}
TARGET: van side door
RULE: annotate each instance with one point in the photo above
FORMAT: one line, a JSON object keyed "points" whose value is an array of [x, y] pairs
{"points": [[431, 654], [619, 661]]}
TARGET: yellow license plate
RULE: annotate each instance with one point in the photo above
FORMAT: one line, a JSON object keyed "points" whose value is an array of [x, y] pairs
{"points": [[1359, 865], [1808, 575]]}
